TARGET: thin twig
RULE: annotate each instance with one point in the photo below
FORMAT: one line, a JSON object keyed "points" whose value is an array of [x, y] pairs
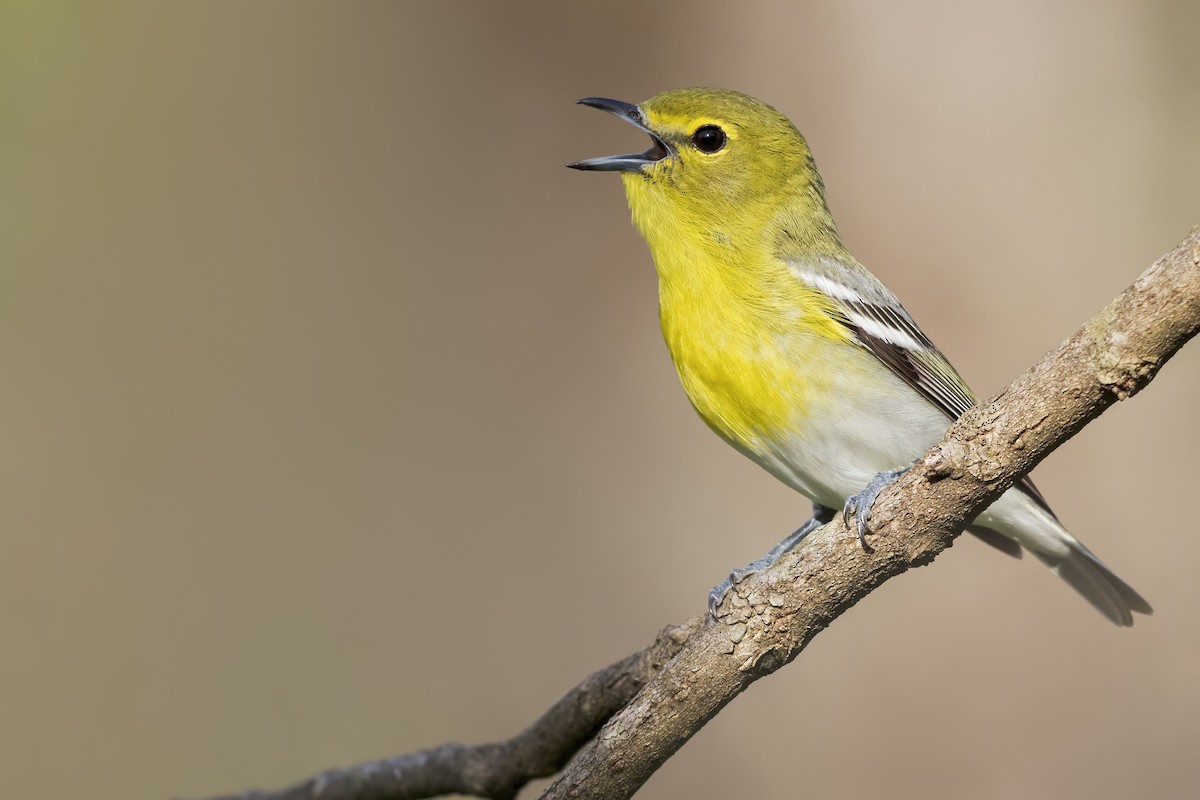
{"points": [[497, 770]]}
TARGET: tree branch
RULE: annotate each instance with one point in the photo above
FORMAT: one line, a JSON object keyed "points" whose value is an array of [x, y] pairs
{"points": [[497, 770], [767, 620]]}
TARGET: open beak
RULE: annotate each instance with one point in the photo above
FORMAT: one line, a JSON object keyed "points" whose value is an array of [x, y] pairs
{"points": [[630, 163]]}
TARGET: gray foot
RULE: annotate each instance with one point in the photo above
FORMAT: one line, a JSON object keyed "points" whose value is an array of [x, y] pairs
{"points": [[859, 505], [820, 516]]}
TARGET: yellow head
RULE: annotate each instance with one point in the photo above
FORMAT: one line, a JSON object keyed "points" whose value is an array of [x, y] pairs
{"points": [[724, 169]]}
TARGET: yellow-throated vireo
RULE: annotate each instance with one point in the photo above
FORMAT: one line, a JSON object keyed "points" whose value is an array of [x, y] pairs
{"points": [[788, 347]]}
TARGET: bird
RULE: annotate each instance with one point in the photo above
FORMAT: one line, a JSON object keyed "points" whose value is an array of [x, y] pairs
{"points": [[788, 348]]}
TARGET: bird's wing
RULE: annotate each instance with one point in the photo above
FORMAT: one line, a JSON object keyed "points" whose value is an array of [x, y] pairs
{"points": [[876, 320]]}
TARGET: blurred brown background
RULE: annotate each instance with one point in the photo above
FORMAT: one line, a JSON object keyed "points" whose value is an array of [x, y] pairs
{"points": [[336, 422]]}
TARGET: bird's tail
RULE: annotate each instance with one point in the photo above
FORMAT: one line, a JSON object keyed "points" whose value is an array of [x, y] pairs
{"points": [[1112, 597], [1019, 516]]}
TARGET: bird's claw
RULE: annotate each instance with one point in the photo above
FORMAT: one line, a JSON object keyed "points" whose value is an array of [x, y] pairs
{"points": [[717, 595], [820, 516], [859, 505]]}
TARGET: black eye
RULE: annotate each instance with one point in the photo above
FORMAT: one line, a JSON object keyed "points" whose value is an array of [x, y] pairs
{"points": [[709, 138]]}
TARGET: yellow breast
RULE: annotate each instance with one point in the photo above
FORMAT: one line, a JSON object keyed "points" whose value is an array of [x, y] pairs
{"points": [[746, 340], [746, 335]]}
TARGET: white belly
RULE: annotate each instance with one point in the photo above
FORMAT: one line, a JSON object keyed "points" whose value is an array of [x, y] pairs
{"points": [[847, 441]]}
